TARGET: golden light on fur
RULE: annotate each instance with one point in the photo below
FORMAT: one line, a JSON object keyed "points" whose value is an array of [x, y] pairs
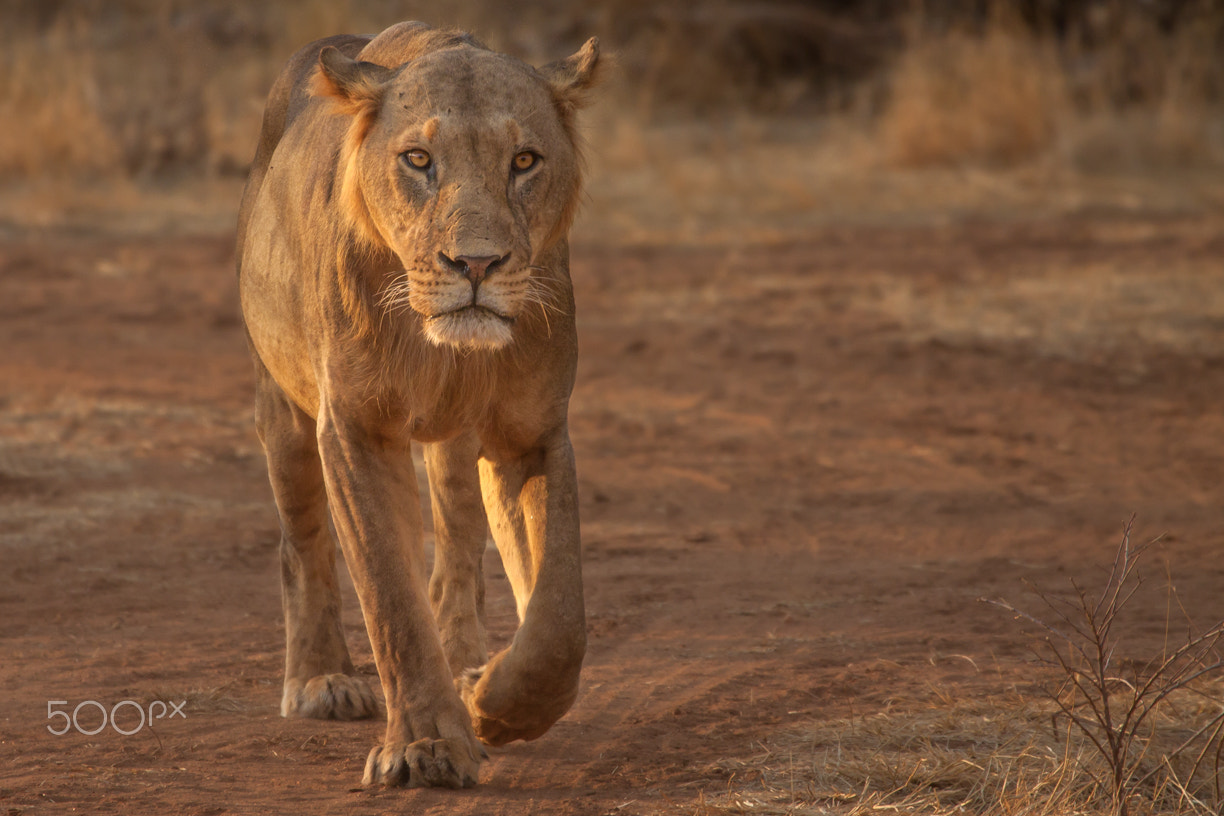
{"points": [[476, 314], [398, 295]]}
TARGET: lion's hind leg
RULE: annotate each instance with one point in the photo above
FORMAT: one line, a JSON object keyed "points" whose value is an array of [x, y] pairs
{"points": [[319, 681]]}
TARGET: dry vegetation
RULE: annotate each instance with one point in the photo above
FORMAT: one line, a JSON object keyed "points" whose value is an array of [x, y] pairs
{"points": [[1005, 756], [757, 115], [1114, 734], [1116, 90]]}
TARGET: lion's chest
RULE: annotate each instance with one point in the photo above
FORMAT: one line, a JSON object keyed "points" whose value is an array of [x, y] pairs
{"points": [[433, 401], [437, 429]]}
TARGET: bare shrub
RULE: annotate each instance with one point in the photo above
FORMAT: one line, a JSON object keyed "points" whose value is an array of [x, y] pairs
{"points": [[959, 754], [1118, 704], [1114, 735]]}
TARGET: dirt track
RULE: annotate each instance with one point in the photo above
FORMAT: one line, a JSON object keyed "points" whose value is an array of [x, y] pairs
{"points": [[800, 467]]}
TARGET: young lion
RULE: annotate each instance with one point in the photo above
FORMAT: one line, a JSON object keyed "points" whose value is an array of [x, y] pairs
{"points": [[404, 272]]}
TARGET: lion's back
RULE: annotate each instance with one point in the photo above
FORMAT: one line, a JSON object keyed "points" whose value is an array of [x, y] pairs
{"points": [[287, 99]]}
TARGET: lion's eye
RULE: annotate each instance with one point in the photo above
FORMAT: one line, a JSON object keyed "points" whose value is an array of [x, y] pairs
{"points": [[417, 158], [525, 161]]}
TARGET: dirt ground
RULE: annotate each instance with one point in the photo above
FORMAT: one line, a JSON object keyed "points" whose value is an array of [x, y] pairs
{"points": [[802, 463]]}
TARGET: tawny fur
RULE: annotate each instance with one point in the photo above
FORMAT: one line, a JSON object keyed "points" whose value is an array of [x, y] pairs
{"points": [[371, 329]]}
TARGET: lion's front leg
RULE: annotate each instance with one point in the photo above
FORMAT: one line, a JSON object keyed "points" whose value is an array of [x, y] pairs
{"points": [[372, 492], [456, 588], [532, 505]]}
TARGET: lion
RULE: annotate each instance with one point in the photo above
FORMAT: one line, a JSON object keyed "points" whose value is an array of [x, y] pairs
{"points": [[403, 263]]}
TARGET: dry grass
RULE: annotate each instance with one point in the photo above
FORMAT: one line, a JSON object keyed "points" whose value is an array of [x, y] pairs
{"points": [[1007, 756], [135, 88], [1126, 306], [1112, 735], [1117, 704], [996, 96], [138, 88], [1118, 90], [49, 100], [733, 122]]}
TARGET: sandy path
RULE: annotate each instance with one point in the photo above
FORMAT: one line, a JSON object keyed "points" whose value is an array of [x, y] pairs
{"points": [[800, 467]]}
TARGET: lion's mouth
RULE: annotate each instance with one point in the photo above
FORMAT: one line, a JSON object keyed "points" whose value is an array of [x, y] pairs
{"points": [[475, 310], [470, 327]]}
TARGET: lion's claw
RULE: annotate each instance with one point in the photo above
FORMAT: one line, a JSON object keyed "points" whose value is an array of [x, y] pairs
{"points": [[426, 763]]}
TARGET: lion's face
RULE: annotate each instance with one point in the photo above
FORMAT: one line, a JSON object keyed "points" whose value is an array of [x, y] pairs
{"points": [[466, 170]]}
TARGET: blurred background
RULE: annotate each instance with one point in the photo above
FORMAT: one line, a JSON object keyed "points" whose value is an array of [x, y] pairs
{"points": [[727, 119]]}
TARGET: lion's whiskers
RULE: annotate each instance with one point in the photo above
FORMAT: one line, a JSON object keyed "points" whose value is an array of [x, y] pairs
{"points": [[395, 298], [543, 291], [533, 286]]}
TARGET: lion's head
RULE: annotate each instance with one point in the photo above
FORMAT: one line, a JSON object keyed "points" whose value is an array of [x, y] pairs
{"points": [[464, 163]]}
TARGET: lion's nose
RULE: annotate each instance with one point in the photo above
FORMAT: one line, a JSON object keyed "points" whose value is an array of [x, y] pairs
{"points": [[474, 267]]}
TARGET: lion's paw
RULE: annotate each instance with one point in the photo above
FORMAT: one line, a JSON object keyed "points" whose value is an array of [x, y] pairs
{"points": [[330, 697], [426, 763], [521, 722]]}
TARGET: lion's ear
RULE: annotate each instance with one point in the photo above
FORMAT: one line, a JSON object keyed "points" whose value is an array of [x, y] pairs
{"points": [[573, 76], [356, 86]]}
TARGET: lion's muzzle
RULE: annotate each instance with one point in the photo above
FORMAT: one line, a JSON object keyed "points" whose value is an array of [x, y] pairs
{"points": [[472, 302]]}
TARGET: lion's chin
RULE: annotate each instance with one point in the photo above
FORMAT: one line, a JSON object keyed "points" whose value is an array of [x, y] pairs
{"points": [[470, 329]]}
